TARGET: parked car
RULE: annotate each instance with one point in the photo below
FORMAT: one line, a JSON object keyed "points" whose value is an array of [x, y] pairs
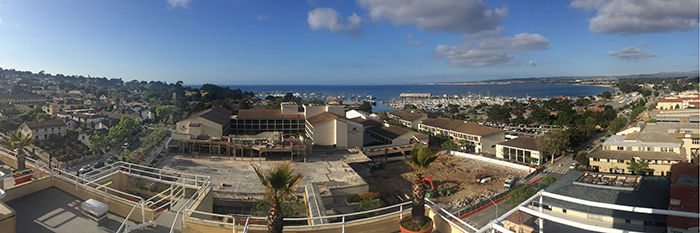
{"points": [[573, 165], [126, 145], [99, 165], [509, 181], [85, 168]]}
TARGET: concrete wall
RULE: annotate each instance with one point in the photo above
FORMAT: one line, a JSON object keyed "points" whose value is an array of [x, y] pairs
{"points": [[324, 134], [490, 140], [27, 188], [389, 223], [494, 161], [8, 218], [341, 134], [605, 166]]}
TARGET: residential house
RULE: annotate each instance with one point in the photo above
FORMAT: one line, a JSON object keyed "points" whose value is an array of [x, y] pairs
{"points": [[521, 149], [660, 150], [408, 117], [483, 138], [84, 136], [43, 129]]}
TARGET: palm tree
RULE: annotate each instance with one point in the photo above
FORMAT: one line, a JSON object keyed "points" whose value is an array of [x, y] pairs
{"points": [[19, 141], [421, 158], [279, 185]]}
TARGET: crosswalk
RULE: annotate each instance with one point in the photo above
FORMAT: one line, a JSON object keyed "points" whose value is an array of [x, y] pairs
{"points": [[560, 170]]}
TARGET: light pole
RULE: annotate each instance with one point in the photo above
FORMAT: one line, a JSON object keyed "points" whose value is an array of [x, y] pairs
{"points": [[494, 203]]}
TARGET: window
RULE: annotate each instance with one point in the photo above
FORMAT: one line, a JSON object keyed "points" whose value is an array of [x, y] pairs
{"points": [[563, 210], [650, 148], [621, 161], [628, 221], [628, 148], [606, 147], [596, 159], [595, 216], [664, 149], [696, 141], [670, 149], [620, 148], [607, 160], [640, 148]]}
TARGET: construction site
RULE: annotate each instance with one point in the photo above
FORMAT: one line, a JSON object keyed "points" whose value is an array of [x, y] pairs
{"points": [[452, 182]]}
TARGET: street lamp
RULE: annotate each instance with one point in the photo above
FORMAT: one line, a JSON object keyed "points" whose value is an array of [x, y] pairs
{"points": [[494, 203]]}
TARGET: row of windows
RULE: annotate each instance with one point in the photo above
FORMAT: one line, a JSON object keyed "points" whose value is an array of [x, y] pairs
{"points": [[47, 129], [640, 148], [656, 161]]}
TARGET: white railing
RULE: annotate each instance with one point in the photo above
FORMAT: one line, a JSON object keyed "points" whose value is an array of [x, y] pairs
{"points": [[401, 209], [125, 225], [189, 204], [497, 223]]}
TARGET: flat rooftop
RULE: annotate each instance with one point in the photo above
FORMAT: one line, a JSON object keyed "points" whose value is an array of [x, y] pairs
{"points": [[239, 176], [52, 210]]}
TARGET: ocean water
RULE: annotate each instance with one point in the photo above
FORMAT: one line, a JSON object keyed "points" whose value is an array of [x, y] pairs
{"points": [[389, 92]]}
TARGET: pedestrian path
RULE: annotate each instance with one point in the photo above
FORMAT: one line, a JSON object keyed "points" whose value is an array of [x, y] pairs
{"points": [[560, 170]]}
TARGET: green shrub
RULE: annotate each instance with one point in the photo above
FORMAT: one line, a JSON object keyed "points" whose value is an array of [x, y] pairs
{"points": [[362, 196]]}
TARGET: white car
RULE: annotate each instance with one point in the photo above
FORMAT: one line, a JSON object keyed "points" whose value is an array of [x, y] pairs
{"points": [[573, 165], [85, 169]]}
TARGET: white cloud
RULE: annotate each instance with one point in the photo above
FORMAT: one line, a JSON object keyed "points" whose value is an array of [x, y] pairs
{"points": [[631, 53], [261, 17], [522, 42], [630, 17], [0, 20], [454, 16], [489, 52], [642, 43], [178, 3], [567, 62], [460, 56], [499, 31], [532, 63], [328, 18]]}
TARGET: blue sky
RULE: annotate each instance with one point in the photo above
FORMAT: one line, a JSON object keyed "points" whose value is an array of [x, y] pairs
{"points": [[348, 42]]}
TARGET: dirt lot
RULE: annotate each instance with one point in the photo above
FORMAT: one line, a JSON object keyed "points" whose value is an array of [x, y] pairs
{"points": [[455, 172]]}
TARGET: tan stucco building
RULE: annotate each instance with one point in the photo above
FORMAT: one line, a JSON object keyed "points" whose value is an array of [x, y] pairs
{"points": [[213, 122], [326, 125], [660, 150]]}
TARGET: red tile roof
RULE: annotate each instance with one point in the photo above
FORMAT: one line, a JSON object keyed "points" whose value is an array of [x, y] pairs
{"points": [[684, 187], [472, 128]]}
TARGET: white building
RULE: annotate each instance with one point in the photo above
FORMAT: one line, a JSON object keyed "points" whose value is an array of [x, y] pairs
{"points": [[521, 149], [43, 129]]}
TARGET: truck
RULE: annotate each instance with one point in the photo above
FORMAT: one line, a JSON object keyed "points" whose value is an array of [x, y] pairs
{"points": [[509, 181]]}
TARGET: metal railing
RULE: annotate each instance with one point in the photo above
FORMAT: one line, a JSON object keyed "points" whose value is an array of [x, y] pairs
{"points": [[189, 204]]}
